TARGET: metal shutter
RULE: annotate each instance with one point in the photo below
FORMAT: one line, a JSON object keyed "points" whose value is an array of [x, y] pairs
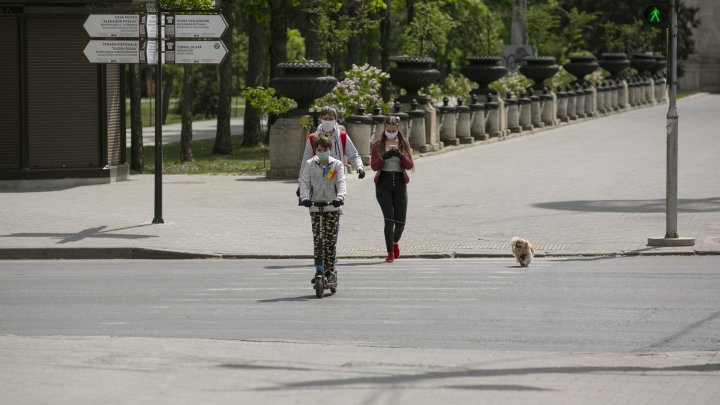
{"points": [[9, 94], [63, 96]]}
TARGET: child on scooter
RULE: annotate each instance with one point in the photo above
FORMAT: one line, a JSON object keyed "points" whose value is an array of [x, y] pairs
{"points": [[322, 180]]}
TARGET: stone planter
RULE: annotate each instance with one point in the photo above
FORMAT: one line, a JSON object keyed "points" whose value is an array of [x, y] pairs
{"points": [[412, 74], [484, 70], [614, 63], [645, 64], [303, 82], [581, 66], [660, 66], [539, 69]]}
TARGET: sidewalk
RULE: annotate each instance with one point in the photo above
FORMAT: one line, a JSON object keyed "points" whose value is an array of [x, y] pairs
{"points": [[595, 187]]}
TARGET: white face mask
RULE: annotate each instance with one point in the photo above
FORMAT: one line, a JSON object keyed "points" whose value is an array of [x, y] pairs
{"points": [[391, 135], [327, 126]]}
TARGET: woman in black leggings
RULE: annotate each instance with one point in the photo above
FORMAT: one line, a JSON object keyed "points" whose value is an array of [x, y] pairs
{"points": [[391, 157]]}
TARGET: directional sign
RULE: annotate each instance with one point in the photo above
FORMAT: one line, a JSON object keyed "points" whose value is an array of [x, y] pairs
{"points": [[113, 51], [113, 25], [192, 52], [197, 25], [151, 26]]}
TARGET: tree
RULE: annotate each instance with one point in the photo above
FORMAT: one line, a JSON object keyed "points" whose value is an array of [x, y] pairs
{"points": [[137, 156], [256, 26], [186, 106], [223, 139]]}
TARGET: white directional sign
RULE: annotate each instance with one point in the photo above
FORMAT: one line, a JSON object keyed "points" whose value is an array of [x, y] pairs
{"points": [[113, 25], [196, 25], [113, 51], [191, 52]]}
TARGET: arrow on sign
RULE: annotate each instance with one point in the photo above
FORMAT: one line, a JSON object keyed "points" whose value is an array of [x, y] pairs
{"points": [[192, 52], [112, 51], [113, 25]]}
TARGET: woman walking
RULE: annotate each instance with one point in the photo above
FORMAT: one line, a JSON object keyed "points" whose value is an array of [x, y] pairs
{"points": [[391, 157]]}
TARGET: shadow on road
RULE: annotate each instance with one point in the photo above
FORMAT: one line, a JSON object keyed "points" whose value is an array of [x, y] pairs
{"points": [[99, 232], [711, 204]]}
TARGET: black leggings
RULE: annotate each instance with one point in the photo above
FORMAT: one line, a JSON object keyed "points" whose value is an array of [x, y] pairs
{"points": [[391, 194]]}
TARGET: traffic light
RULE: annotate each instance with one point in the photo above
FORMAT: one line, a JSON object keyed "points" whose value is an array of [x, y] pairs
{"points": [[657, 14]]}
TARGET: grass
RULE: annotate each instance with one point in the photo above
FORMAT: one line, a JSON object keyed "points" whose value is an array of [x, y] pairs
{"points": [[681, 94], [244, 161], [147, 107]]}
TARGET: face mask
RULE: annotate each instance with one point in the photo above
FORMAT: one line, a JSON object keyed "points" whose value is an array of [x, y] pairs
{"points": [[391, 135], [324, 156], [327, 126]]}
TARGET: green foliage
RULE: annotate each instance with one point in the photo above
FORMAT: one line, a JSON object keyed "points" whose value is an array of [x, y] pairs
{"points": [[428, 31], [478, 28], [206, 86], [560, 80], [542, 23], [295, 46], [575, 31], [629, 38], [514, 83], [361, 86], [189, 4], [265, 100]]}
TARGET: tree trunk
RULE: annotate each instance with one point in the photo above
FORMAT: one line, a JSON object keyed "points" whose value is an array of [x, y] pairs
{"points": [[223, 140], [312, 50], [385, 47], [167, 92], [137, 157], [187, 103], [257, 34], [278, 35]]}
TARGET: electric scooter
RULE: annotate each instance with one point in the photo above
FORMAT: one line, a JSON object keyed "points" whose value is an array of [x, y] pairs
{"points": [[320, 282]]}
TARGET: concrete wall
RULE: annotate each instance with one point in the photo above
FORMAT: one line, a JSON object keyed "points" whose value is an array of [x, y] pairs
{"points": [[702, 69]]}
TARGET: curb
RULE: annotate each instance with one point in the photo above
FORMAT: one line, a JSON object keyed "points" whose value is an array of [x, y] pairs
{"points": [[158, 254]]}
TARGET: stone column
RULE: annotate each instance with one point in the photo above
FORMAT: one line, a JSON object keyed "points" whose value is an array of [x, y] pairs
{"points": [[417, 129], [462, 130], [492, 127], [572, 103], [448, 124], [580, 101], [525, 105], [600, 98], [623, 101], [562, 106], [287, 144], [359, 126], [549, 108], [590, 96], [608, 96], [431, 126], [477, 126], [404, 119], [535, 110], [377, 123], [615, 96], [513, 114]]}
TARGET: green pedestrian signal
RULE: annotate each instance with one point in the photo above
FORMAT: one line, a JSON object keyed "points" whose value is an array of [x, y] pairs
{"points": [[656, 15]]}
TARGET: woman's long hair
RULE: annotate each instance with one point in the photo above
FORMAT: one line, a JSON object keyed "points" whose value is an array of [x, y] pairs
{"points": [[406, 149]]}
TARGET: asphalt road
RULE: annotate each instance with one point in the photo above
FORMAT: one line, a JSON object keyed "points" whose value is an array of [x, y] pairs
{"points": [[630, 304]]}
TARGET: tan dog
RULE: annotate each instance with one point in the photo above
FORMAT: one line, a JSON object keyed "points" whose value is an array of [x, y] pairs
{"points": [[522, 250]]}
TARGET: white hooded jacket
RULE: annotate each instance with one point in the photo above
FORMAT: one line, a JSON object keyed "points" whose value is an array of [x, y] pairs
{"points": [[317, 187]]}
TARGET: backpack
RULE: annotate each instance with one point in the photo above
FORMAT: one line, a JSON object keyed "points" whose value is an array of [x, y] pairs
{"points": [[343, 139]]}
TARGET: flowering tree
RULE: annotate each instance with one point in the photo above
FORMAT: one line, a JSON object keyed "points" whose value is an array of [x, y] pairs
{"points": [[361, 86]]}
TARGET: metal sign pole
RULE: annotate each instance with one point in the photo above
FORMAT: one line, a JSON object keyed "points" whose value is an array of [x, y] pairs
{"points": [[158, 219], [671, 210]]}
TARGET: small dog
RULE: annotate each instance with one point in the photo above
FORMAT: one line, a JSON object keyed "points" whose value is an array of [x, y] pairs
{"points": [[522, 250]]}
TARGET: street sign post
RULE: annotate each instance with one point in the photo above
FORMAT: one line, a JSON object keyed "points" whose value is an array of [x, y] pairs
{"points": [[671, 199]]}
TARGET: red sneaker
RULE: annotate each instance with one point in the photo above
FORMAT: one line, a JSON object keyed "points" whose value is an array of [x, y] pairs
{"points": [[396, 251], [390, 258]]}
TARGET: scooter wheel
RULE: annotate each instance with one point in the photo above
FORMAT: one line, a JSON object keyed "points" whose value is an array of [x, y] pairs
{"points": [[319, 288], [333, 290]]}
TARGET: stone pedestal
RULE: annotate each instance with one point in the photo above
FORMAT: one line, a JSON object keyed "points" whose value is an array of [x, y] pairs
{"points": [[513, 115], [600, 99], [359, 126], [288, 136], [590, 104], [492, 125], [431, 127], [562, 104], [536, 112], [580, 101], [572, 102], [418, 139], [462, 127], [477, 120], [549, 108], [525, 106], [623, 101], [448, 124]]}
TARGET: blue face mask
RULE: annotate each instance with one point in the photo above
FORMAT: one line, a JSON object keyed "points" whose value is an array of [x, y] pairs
{"points": [[324, 156]]}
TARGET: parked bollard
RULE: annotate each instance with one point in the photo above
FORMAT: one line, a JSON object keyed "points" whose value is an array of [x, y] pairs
{"points": [[580, 101], [600, 98], [448, 124], [462, 129], [513, 114], [608, 96], [615, 98], [477, 125], [562, 106], [417, 128], [549, 107], [361, 127], [492, 127]]}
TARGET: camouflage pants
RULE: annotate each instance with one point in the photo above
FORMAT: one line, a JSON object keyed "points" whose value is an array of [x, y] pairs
{"points": [[325, 239]]}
